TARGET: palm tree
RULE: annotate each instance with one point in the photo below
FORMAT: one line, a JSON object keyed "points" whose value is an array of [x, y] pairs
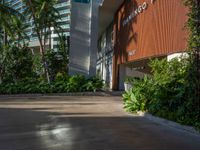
{"points": [[19, 28], [44, 16], [6, 16], [32, 9], [50, 20]]}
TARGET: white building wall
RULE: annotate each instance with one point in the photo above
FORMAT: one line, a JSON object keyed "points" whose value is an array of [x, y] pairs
{"points": [[83, 38]]}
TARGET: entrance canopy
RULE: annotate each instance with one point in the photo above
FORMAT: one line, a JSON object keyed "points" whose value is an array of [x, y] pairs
{"points": [[107, 12]]}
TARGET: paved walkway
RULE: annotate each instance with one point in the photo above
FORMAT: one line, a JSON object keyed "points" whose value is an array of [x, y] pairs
{"points": [[83, 123]]}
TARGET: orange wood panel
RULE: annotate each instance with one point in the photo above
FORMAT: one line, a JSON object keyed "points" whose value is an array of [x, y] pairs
{"points": [[158, 30]]}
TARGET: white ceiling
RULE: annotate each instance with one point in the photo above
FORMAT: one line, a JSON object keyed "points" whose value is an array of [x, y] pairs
{"points": [[107, 12]]}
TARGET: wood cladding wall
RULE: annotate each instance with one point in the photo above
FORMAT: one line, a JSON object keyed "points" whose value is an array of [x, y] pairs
{"points": [[155, 29]]}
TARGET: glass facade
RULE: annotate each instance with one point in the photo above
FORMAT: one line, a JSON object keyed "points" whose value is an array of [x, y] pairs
{"points": [[63, 6], [82, 1]]}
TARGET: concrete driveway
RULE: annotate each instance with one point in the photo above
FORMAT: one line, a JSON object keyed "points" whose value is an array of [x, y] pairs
{"points": [[83, 123]]}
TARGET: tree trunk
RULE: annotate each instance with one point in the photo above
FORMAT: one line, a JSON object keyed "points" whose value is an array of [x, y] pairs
{"points": [[44, 39], [1, 80], [40, 42], [5, 37], [198, 60], [43, 58], [49, 37]]}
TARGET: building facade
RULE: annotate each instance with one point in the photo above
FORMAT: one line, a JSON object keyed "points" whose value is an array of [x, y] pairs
{"points": [[63, 6], [117, 38], [79, 20], [141, 30], [105, 55], [83, 37]]}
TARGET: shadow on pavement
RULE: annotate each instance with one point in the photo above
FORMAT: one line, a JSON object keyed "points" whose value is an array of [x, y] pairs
{"points": [[41, 129]]}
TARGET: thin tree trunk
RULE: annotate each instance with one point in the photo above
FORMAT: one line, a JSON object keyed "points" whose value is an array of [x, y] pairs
{"points": [[1, 76], [49, 37], [5, 37], [44, 49], [198, 62], [40, 42], [18, 41], [42, 53], [44, 39]]}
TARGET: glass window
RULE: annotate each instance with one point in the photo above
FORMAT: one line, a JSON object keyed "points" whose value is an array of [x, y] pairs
{"points": [[82, 1]]}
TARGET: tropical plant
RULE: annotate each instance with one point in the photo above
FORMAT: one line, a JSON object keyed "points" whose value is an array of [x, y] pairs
{"points": [[165, 93], [137, 97], [18, 27], [131, 80], [93, 84], [15, 63], [50, 18], [62, 84], [44, 17], [7, 14], [193, 77], [57, 61]]}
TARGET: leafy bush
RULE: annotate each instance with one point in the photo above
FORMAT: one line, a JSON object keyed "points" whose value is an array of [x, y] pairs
{"points": [[136, 98], [23, 72], [93, 84], [164, 93], [131, 103], [131, 80], [15, 63], [57, 61], [75, 83], [62, 84]]}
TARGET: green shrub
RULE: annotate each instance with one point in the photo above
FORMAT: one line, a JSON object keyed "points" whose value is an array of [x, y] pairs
{"points": [[62, 84], [131, 80], [75, 83], [16, 63], [57, 61], [22, 72], [164, 93], [131, 103], [93, 84], [61, 77], [137, 97]]}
